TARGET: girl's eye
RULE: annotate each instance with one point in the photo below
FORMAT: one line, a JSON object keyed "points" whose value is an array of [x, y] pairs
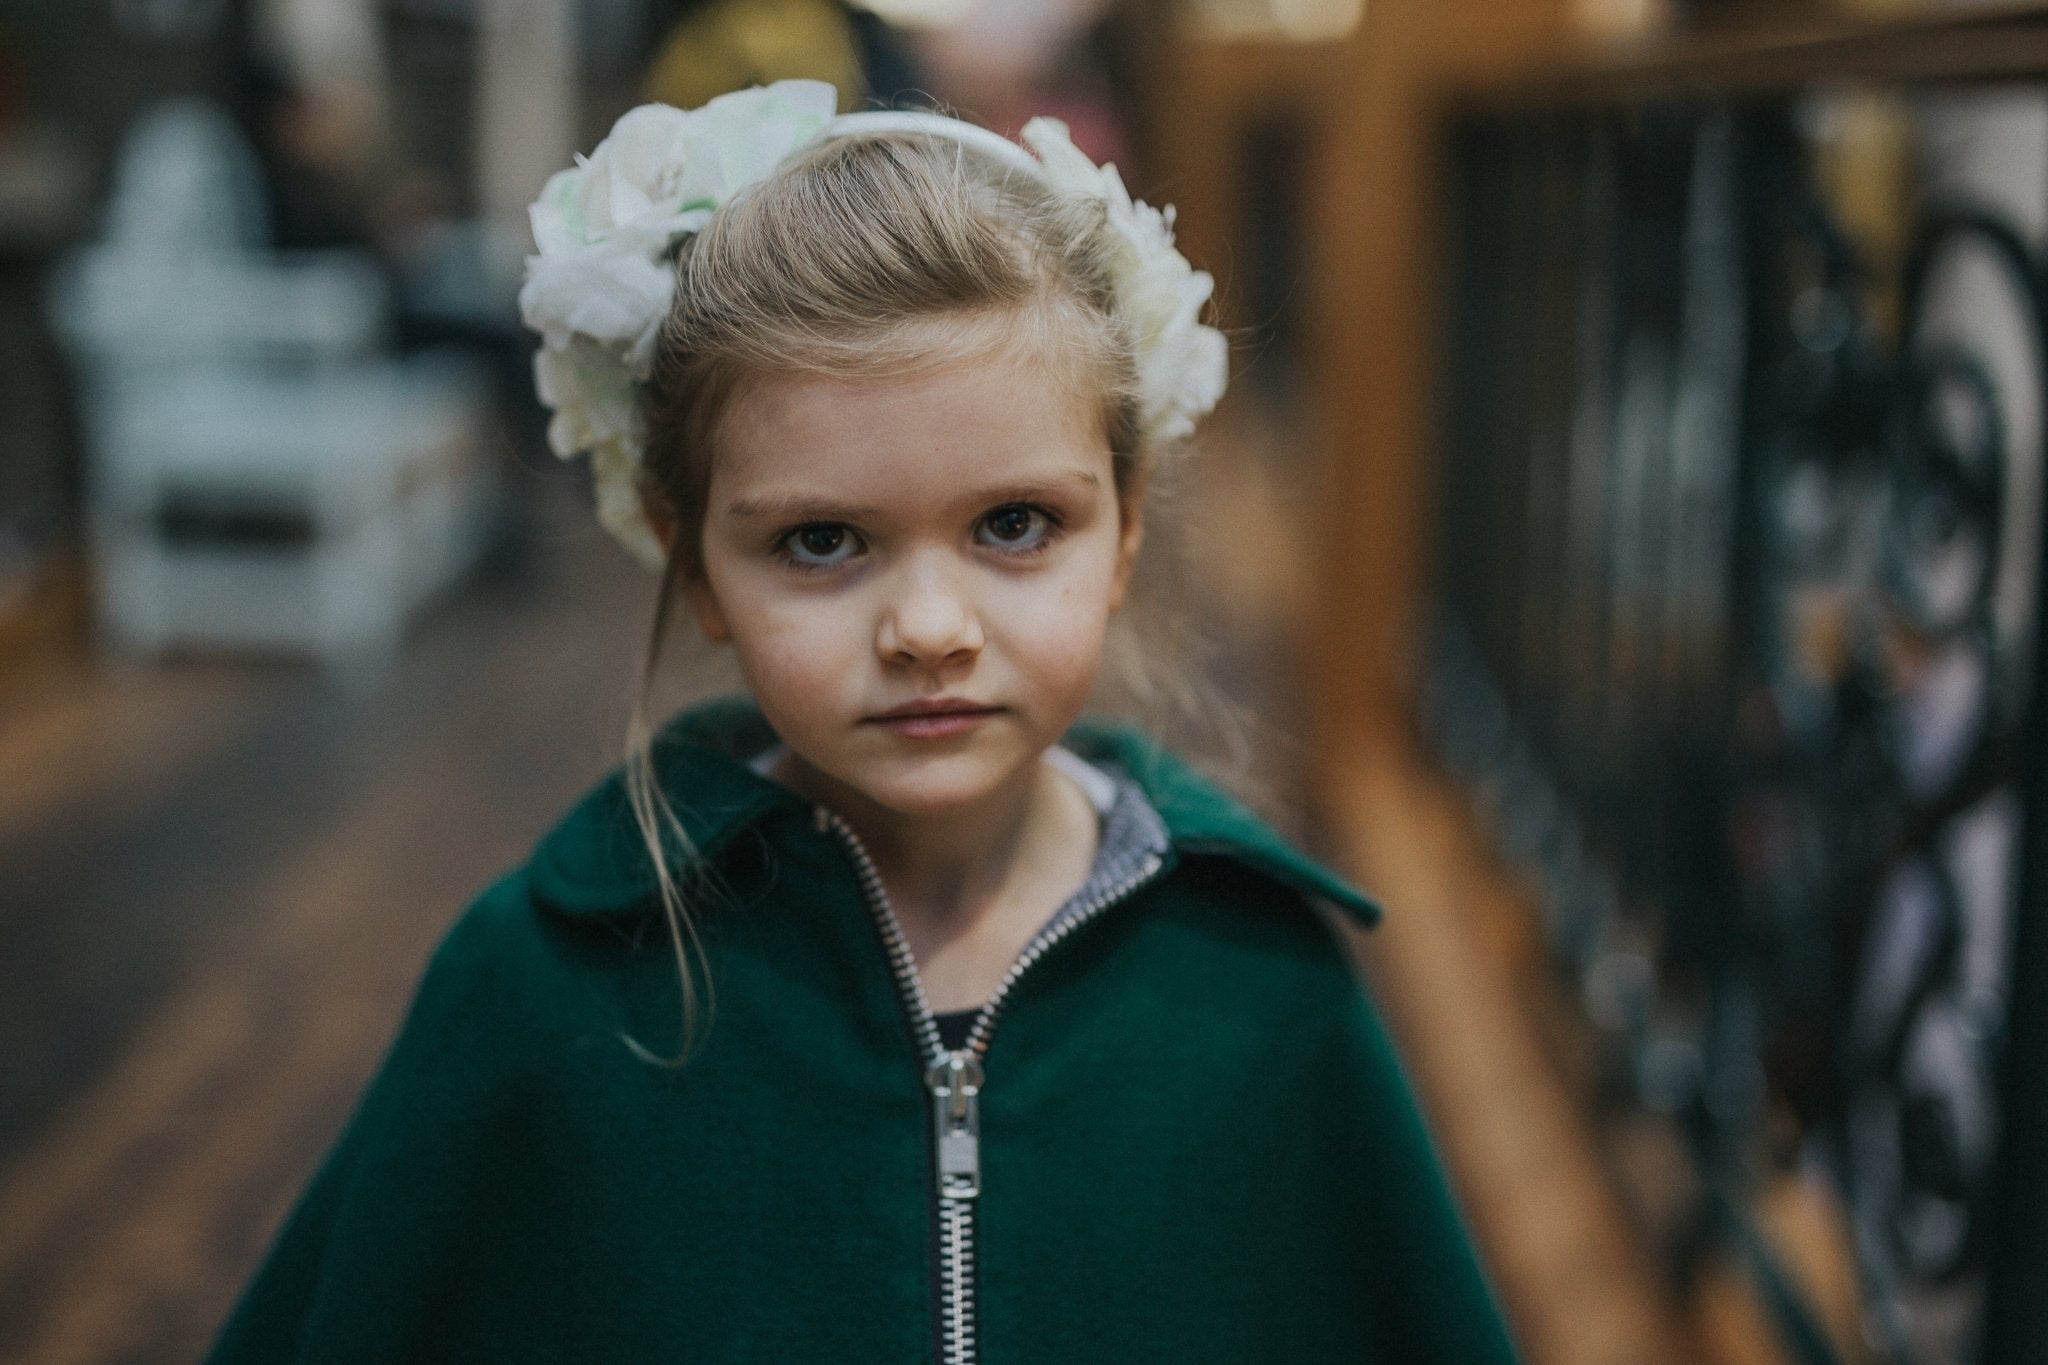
{"points": [[1015, 527], [820, 545]]}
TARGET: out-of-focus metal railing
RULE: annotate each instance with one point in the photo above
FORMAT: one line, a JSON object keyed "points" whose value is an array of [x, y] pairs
{"points": [[1740, 588]]}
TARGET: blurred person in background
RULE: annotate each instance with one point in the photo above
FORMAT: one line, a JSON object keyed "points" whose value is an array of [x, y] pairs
{"points": [[709, 47], [1004, 61]]}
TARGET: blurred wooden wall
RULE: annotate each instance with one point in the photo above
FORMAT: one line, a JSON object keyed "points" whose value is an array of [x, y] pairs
{"points": [[1458, 966]]}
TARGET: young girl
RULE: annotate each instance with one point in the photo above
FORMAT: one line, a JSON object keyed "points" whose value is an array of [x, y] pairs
{"points": [[1001, 1037]]}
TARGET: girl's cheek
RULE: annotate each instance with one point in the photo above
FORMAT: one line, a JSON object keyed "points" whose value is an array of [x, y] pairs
{"points": [[1055, 636], [773, 610], [1077, 601], [809, 641]]}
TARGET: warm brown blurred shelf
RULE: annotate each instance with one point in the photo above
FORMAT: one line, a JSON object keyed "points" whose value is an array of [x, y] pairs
{"points": [[1985, 44]]}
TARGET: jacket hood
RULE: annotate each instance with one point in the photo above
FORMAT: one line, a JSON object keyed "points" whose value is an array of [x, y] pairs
{"points": [[593, 861]]}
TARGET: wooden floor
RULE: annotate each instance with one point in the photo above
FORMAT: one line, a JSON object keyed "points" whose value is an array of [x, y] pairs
{"points": [[219, 882]]}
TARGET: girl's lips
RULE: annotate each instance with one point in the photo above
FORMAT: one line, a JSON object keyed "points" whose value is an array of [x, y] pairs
{"points": [[934, 724]]}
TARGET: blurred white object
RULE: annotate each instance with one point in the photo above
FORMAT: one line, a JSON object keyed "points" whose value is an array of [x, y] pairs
{"points": [[259, 475], [526, 115]]}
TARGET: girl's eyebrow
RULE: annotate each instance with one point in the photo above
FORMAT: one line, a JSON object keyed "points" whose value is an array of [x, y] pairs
{"points": [[804, 506], [795, 507]]}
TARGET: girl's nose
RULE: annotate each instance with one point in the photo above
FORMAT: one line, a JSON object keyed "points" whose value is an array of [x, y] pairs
{"points": [[929, 621]]}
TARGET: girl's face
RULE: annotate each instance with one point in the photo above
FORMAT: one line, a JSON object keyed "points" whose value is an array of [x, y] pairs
{"points": [[916, 575]]}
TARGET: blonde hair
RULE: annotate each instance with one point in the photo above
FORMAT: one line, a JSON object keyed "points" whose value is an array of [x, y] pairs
{"points": [[860, 257]]}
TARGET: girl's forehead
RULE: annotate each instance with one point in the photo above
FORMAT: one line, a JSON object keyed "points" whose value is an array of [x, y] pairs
{"points": [[983, 422]]}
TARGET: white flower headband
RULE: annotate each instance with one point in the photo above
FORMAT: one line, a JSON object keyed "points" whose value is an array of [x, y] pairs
{"points": [[607, 229]]}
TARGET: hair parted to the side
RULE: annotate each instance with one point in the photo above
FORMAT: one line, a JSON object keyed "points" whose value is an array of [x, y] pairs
{"points": [[866, 256]]}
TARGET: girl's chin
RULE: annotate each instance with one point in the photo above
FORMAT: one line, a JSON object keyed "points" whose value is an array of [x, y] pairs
{"points": [[930, 800], [937, 786]]}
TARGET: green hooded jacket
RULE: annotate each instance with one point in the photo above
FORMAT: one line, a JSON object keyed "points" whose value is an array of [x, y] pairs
{"points": [[1194, 1141]]}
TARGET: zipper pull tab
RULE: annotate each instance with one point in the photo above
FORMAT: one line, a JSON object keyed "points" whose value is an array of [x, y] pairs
{"points": [[955, 1083]]}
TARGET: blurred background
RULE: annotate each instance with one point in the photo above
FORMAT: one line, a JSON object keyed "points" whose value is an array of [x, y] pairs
{"points": [[1622, 548]]}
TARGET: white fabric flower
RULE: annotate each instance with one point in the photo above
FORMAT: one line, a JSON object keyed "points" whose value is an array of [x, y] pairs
{"points": [[1182, 364], [599, 284], [592, 392], [596, 403]]}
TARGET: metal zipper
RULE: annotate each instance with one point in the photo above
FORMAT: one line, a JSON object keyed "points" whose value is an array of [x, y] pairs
{"points": [[955, 1080]]}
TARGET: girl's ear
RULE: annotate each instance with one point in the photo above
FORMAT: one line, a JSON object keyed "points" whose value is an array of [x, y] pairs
{"points": [[704, 607], [697, 592], [1130, 511]]}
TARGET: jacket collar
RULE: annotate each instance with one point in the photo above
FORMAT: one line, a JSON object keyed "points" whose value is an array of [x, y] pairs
{"points": [[593, 862]]}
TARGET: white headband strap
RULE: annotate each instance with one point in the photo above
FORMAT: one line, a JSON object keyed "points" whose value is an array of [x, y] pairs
{"points": [[916, 121]]}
